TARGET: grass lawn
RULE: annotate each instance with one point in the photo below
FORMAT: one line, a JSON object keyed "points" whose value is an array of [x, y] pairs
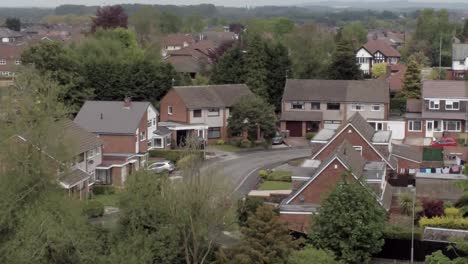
{"points": [[227, 148], [107, 199], [274, 185], [432, 154], [296, 162]]}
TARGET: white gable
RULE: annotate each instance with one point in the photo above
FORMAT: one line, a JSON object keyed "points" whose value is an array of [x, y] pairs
{"points": [[363, 53]]}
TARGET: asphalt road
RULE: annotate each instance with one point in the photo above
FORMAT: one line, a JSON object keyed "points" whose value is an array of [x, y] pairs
{"points": [[241, 169]]}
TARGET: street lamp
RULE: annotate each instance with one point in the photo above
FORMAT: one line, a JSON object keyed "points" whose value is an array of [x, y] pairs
{"points": [[413, 190]]}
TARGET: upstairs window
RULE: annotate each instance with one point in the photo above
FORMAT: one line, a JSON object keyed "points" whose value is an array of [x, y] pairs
{"points": [[298, 105], [315, 105], [333, 106], [434, 104], [213, 112], [143, 135], [357, 107], [150, 123], [375, 107], [452, 105], [197, 113], [2, 62], [169, 110], [17, 62]]}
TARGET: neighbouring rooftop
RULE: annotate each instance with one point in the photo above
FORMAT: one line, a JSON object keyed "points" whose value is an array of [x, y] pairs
{"points": [[382, 136], [324, 135]]}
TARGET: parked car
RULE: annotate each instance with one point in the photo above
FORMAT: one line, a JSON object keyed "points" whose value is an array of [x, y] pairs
{"points": [[277, 139], [162, 166], [444, 142]]}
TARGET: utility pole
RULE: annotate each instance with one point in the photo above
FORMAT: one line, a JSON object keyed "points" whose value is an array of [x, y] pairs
{"points": [[440, 56]]}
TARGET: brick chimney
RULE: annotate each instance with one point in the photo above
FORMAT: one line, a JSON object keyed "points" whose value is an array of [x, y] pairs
{"points": [[127, 102]]}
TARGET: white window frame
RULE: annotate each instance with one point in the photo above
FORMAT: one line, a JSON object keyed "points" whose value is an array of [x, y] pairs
{"points": [[457, 126], [376, 125], [201, 113], [213, 112], [411, 125], [143, 135], [156, 145], [358, 148], [450, 103], [300, 103], [17, 62], [3, 62], [358, 107], [90, 154], [376, 105], [170, 110], [436, 104]]}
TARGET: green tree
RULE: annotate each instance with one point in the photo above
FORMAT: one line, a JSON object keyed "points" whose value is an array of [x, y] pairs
{"points": [[170, 23], [439, 258], [282, 26], [279, 68], [256, 73], [246, 208], [265, 240], [354, 33], [312, 255], [250, 113], [194, 24], [412, 82], [352, 230], [343, 65], [229, 69], [38, 222], [465, 30], [146, 23], [13, 24], [310, 48], [379, 69]]}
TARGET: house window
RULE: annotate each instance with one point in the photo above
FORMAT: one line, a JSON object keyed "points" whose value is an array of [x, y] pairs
{"points": [[297, 105], [158, 143], [197, 113], [169, 110], [357, 107], [378, 126], [103, 176], [150, 123], [17, 62], [213, 112], [414, 125], [142, 135], [214, 132], [154, 121], [315, 105], [452, 105], [434, 104], [452, 126], [97, 151], [80, 158], [375, 107], [2, 62], [90, 154], [462, 62], [358, 149], [333, 106]]}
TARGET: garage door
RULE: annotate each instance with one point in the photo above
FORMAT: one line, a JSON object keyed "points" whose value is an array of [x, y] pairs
{"points": [[295, 128]]}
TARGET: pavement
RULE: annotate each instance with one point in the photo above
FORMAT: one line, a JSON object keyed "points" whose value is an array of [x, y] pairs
{"points": [[241, 169]]}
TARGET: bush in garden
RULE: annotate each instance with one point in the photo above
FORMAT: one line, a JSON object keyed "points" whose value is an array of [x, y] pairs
{"points": [[247, 207], [462, 201], [280, 176], [452, 212], [245, 143], [444, 222], [310, 135], [103, 189], [220, 142], [433, 208], [93, 209], [263, 174], [406, 203]]}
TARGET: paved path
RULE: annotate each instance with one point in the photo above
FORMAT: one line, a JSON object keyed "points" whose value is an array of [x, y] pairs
{"points": [[241, 169]]}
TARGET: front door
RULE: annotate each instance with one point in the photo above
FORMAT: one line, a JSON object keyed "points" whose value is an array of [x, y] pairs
{"points": [[430, 128]]}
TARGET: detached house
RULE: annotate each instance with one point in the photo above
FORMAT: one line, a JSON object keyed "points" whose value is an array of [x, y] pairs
{"points": [[376, 51], [78, 174], [126, 129], [459, 60], [201, 111], [10, 58], [442, 110], [309, 105], [174, 42], [344, 162]]}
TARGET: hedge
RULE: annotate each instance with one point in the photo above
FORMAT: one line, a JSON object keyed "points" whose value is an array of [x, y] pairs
{"points": [[103, 189], [444, 222], [279, 176], [93, 209], [172, 155], [399, 232]]}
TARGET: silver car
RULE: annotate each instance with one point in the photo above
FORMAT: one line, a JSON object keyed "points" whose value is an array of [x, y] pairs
{"points": [[277, 139], [162, 166]]}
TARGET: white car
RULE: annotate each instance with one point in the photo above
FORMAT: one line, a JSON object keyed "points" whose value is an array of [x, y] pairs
{"points": [[162, 166]]}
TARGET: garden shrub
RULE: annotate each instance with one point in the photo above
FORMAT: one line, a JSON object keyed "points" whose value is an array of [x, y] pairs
{"points": [[93, 209], [220, 142], [433, 208], [401, 232], [444, 222], [310, 135], [172, 155], [280, 176], [406, 203], [186, 161], [462, 201], [245, 143], [263, 174], [103, 189], [452, 212], [234, 142]]}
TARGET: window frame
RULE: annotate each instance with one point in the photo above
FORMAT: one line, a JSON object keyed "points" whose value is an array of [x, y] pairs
{"points": [[3, 61], [196, 111], [298, 103], [333, 104], [376, 105], [451, 104], [210, 112], [457, 126], [436, 103], [354, 107], [411, 125], [214, 129], [315, 103], [358, 148], [142, 135]]}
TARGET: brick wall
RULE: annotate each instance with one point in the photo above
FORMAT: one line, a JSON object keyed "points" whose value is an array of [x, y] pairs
{"points": [[297, 222], [143, 145], [118, 143], [116, 174], [421, 133], [180, 112], [354, 139]]}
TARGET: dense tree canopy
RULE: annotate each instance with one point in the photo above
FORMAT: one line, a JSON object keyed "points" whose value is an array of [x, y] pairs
{"points": [[256, 67], [13, 23], [343, 65], [412, 83], [109, 17], [312, 255], [349, 223], [354, 33]]}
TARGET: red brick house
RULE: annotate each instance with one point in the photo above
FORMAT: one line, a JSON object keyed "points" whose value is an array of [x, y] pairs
{"points": [[10, 58], [345, 162], [372, 145], [409, 158], [127, 130], [201, 111]]}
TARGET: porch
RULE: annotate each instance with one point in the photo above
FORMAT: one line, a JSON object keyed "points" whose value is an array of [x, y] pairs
{"points": [[115, 168], [180, 132]]}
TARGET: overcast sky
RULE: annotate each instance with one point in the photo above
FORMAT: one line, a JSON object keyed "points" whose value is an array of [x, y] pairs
{"points": [[53, 3]]}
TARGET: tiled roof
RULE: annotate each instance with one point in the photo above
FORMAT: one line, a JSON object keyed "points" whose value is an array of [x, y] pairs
{"points": [[407, 152], [8, 33], [301, 116], [445, 89], [185, 64], [361, 125], [73, 178], [372, 91], [207, 96], [111, 117], [379, 45], [84, 140], [413, 106], [177, 40]]}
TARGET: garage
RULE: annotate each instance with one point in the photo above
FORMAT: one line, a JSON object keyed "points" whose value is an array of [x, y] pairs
{"points": [[295, 128]]}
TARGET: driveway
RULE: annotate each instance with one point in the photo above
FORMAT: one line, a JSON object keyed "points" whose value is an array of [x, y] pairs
{"points": [[241, 169]]}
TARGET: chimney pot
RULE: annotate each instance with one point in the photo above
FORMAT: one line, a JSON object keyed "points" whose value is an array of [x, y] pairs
{"points": [[127, 102]]}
